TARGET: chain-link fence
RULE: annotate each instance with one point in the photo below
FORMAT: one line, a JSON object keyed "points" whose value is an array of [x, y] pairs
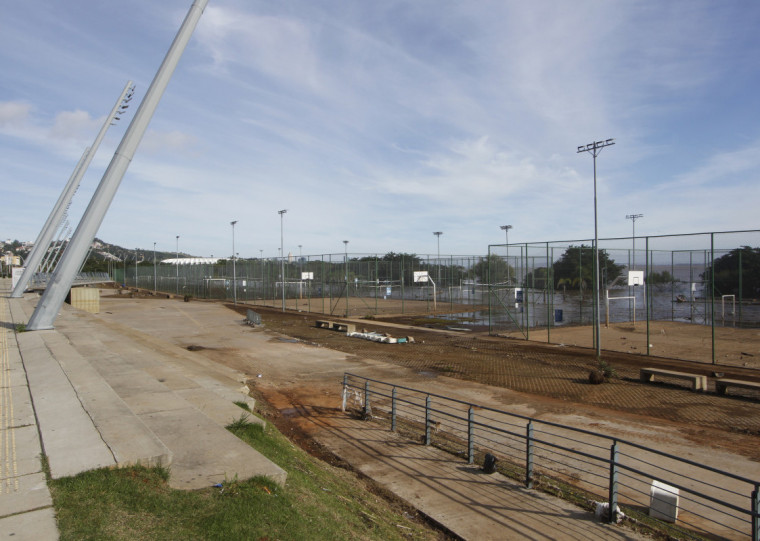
{"points": [[339, 284], [701, 290]]}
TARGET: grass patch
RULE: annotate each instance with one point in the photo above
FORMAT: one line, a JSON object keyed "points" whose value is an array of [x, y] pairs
{"points": [[243, 405], [318, 502], [20, 327]]}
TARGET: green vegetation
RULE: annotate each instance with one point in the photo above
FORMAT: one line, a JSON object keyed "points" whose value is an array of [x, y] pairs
{"points": [[663, 277], [736, 273], [20, 327], [318, 502], [575, 268]]}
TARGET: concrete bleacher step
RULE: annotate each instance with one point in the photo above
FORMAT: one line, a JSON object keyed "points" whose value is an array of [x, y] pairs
{"points": [[83, 423], [186, 411]]}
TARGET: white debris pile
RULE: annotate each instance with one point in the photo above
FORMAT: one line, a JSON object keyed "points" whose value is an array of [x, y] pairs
{"points": [[383, 338]]}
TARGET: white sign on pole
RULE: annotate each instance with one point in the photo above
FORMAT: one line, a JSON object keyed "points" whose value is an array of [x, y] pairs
{"points": [[420, 276], [307, 276], [635, 278]]}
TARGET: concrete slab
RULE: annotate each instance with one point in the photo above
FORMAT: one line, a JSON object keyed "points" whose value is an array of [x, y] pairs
{"points": [[29, 492], [205, 453], [467, 501], [221, 411], [23, 442], [69, 437], [36, 525]]}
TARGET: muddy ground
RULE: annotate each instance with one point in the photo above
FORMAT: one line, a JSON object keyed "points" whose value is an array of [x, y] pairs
{"points": [[555, 377]]}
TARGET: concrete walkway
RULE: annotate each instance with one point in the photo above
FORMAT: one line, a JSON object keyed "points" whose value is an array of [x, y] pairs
{"points": [[26, 508], [89, 396]]}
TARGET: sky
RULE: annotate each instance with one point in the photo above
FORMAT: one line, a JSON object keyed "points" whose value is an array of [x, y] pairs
{"points": [[382, 122]]}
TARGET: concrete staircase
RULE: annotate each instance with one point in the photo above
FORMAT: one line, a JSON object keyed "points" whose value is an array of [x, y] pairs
{"points": [[104, 398]]}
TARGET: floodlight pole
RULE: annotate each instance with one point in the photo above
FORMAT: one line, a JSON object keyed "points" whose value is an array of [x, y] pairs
{"points": [[155, 273], [282, 255], [59, 210], [633, 218], [234, 273], [50, 304], [438, 237], [594, 149], [506, 229], [176, 265], [345, 259]]}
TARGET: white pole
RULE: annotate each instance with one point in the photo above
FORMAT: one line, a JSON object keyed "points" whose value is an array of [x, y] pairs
{"points": [[51, 301]]}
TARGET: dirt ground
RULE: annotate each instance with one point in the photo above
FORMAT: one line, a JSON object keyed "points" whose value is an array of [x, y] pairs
{"points": [[555, 378]]}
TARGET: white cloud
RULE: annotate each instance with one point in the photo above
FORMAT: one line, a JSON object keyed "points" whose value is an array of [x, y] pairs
{"points": [[14, 114], [76, 125], [171, 142]]}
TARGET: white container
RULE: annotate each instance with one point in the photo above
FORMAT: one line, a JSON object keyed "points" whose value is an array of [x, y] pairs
{"points": [[663, 502]]}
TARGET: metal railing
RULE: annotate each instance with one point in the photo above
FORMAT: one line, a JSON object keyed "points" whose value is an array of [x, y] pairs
{"points": [[559, 458]]}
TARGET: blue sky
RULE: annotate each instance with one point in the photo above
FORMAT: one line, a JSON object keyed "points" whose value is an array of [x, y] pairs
{"points": [[381, 122]]}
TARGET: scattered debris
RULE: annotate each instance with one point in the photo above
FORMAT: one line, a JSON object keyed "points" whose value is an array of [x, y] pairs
{"points": [[383, 338]]}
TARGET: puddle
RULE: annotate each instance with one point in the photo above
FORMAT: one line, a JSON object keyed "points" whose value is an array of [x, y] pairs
{"points": [[289, 340], [427, 374], [289, 412]]}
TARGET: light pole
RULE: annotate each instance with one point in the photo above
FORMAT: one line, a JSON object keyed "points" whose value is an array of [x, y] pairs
{"points": [[594, 149], [345, 259], [506, 229], [438, 238], [282, 254], [234, 272], [177, 265], [633, 218], [261, 262], [136, 284], [155, 272]]}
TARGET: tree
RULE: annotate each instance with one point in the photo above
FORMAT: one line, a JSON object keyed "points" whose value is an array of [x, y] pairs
{"points": [[663, 277], [739, 266], [575, 268], [492, 269]]}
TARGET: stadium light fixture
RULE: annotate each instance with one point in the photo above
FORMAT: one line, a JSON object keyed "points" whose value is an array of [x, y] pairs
{"points": [[594, 149]]}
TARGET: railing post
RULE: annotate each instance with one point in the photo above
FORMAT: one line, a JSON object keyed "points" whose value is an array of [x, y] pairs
{"points": [[393, 410], [470, 435], [345, 392], [755, 513], [613, 482], [367, 407], [427, 420], [529, 456]]}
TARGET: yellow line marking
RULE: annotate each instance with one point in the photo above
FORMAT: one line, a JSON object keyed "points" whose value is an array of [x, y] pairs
{"points": [[9, 464]]}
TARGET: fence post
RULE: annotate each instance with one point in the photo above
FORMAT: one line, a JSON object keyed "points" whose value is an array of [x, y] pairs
{"points": [[755, 513], [470, 435], [613, 482], [393, 410], [427, 420], [367, 407], [345, 392], [529, 456]]}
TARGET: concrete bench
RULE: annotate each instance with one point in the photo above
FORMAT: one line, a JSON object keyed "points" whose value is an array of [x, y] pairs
{"points": [[722, 385], [324, 324], [698, 382], [344, 327]]}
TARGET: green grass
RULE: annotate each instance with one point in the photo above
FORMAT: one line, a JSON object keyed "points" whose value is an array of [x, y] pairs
{"points": [[318, 502]]}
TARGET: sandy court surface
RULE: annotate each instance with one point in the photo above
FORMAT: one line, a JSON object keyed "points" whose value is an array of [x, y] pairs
{"points": [[733, 346]]}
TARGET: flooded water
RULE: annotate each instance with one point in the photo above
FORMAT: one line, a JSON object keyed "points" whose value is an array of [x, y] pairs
{"points": [[676, 303]]}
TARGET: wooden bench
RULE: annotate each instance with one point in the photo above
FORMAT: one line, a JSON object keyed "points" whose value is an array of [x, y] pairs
{"points": [[698, 382], [324, 324], [722, 385]]}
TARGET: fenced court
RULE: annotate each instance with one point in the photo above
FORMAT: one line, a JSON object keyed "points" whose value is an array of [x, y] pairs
{"points": [[691, 296]]}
